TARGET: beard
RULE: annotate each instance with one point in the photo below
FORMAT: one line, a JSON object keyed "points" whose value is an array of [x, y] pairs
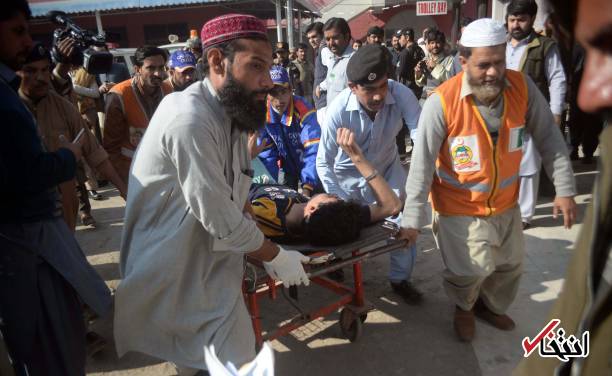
{"points": [[247, 113], [486, 92], [520, 34]]}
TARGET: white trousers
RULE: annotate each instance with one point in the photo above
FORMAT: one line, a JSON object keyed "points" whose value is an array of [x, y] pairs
{"points": [[321, 116], [528, 196]]}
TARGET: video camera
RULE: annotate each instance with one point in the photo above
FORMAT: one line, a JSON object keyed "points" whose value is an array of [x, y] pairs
{"points": [[94, 62]]}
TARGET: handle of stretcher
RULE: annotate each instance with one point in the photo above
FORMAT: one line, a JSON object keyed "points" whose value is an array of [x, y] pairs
{"points": [[395, 245]]}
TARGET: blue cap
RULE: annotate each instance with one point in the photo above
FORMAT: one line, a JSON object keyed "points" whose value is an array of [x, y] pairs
{"points": [[279, 75], [181, 60]]}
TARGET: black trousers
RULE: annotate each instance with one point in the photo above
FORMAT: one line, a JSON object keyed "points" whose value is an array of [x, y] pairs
{"points": [[57, 343], [84, 204], [584, 129]]}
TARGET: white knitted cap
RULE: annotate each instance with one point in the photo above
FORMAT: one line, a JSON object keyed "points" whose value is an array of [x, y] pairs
{"points": [[484, 32]]}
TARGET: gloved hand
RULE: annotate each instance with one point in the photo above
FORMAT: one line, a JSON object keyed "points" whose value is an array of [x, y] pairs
{"points": [[287, 267]]}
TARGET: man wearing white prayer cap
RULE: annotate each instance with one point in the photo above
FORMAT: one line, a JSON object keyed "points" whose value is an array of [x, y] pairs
{"points": [[467, 154]]}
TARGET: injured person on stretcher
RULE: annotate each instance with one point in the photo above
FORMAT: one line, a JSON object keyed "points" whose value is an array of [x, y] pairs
{"points": [[286, 216]]}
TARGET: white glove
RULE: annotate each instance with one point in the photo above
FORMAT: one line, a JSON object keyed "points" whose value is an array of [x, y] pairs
{"points": [[287, 267]]}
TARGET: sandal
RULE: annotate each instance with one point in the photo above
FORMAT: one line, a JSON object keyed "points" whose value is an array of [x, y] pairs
{"points": [[94, 195], [88, 220]]}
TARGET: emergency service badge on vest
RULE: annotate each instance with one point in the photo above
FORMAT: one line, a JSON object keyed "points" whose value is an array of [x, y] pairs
{"points": [[464, 153], [515, 142]]}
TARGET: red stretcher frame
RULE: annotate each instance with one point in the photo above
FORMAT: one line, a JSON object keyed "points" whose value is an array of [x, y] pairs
{"points": [[351, 299]]}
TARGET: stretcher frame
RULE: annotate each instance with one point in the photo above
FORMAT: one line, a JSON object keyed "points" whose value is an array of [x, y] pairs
{"points": [[350, 299]]}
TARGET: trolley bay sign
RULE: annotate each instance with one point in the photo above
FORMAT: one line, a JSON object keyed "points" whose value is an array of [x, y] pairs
{"points": [[431, 8]]}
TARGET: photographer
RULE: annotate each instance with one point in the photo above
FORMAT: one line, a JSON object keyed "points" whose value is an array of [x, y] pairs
{"points": [[437, 67]]}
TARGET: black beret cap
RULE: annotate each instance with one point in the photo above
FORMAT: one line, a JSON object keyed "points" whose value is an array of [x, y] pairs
{"points": [[368, 64], [38, 52], [376, 30]]}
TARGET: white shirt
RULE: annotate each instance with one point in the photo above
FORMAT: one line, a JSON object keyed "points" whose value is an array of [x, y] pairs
{"points": [[336, 79]]}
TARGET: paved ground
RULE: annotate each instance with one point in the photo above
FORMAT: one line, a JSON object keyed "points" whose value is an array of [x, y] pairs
{"points": [[397, 339]]}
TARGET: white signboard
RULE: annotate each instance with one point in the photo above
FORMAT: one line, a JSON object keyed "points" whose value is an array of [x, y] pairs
{"points": [[431, 8]]}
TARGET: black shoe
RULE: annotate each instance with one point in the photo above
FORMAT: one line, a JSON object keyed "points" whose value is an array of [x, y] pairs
{"points": [[574, 155], [526, 225], [94, 195], [407, 291], [587, 160], [102, 183]]}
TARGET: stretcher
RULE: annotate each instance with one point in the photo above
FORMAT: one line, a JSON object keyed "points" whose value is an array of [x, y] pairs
{"points": [[374, 241]]}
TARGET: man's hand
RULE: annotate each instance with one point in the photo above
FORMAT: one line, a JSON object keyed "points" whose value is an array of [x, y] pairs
{"points": [[408, 234], [255, 149], [318, 92], [417, 71], [66, 48], [75, 148], [105, 87], [557, 119], [567, 206], [346, 140], [287, 267]]}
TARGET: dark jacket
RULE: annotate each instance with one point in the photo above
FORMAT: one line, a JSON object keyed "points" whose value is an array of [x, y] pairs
{"points": [[29, 175], [408, 59], [534, 60]]}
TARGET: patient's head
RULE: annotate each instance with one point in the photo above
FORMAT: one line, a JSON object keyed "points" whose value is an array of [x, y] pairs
{"points": [[328, 220]]}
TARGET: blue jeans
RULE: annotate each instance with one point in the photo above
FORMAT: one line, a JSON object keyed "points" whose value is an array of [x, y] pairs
{"points": [[401, 261]]}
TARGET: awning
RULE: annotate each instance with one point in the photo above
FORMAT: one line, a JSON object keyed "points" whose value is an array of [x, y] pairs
{"points": [[41, 8]]}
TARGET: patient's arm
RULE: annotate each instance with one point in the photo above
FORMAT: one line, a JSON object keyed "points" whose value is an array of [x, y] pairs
{"points": [[387, 203]]}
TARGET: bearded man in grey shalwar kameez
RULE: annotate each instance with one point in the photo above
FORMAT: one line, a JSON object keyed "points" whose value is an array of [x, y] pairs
{"points": [[185, 234]]}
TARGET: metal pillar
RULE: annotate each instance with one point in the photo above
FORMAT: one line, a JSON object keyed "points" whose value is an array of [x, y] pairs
{"points": [[289, 16], [99, 23], [482, 8], [279, 20], [299, 30], [456, 20]]}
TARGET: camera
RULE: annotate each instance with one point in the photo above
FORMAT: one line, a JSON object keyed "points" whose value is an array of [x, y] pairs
{"points": [[423, 65], [94, 62]]}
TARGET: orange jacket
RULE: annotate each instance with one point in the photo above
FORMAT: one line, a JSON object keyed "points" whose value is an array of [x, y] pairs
{"points": [[126, 122], [475, 177]]}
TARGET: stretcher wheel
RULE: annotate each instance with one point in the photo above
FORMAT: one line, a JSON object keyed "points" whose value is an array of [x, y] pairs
{"points": [[350, 325]]}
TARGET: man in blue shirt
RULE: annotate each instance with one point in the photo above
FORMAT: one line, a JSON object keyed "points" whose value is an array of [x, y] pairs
{"points": [[372, 107], [290, 138]]}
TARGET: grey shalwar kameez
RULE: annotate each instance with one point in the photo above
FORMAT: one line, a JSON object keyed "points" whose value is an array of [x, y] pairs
{"points": [[185, 236]]}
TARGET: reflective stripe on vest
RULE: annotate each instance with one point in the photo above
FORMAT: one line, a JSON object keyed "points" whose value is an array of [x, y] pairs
{"points": [[474, 176]]}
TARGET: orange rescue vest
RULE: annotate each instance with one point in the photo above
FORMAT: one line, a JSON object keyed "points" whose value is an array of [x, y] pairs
{"points": [[135, 114], [474, 176]]}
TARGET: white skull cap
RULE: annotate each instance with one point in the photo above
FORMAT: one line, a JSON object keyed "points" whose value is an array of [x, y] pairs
{"points": [[484, 32]]}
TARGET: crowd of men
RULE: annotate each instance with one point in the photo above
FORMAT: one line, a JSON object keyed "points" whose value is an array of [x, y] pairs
{"points": [[230, 148]]}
